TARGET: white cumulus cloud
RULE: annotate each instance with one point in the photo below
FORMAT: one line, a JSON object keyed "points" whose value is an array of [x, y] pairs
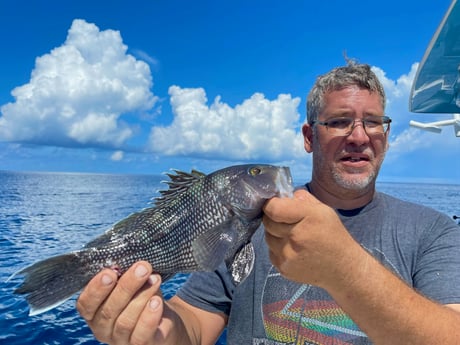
{"points": [[256, 128], [397, 91], [117, 156], [78, 92]]}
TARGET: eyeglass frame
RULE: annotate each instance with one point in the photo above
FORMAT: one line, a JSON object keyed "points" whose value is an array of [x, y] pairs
{"points": [[386, 120]]}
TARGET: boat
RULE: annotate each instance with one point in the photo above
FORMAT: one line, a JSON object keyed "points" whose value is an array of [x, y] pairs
{"points": [[436, 86]]}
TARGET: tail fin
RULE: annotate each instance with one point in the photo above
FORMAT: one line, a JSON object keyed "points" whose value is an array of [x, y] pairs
{"points": [[51, 282]]}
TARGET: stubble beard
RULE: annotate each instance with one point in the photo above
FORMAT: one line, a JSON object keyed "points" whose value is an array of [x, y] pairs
{"points": [[357, 183], [346, 180]]}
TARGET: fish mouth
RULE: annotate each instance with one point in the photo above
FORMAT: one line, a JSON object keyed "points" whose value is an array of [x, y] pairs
{"points": [[283, 182], [278, 183]]}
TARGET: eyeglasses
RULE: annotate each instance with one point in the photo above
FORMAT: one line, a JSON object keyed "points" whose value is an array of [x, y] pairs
{"points": [[343, 126]]}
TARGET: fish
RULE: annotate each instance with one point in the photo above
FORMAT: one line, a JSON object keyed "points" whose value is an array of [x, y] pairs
{"points": [[198, 223]]}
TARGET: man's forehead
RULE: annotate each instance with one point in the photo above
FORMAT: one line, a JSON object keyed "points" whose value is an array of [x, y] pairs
{"points": [[351, 95], [353, 99]]}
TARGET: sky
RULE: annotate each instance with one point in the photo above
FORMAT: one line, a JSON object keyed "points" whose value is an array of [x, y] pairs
{"points": [[144, 86]]}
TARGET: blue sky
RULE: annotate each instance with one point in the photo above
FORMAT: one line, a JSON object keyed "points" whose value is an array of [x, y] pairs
{"points": [[145, 86]]}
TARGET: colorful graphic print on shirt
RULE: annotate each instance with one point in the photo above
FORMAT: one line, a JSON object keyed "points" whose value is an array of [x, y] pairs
{"points": [[303, 314]]}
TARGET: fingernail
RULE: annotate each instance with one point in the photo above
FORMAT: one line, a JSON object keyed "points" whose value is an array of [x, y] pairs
{"points": [[154, 303], [153, 279], [106, 279], [140, 271]]}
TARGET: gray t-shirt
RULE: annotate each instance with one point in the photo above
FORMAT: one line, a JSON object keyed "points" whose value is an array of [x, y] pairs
{"points": [[420, 245]]}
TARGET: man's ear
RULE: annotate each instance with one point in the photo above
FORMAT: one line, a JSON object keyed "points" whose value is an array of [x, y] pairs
{"points": [[307, 131]]}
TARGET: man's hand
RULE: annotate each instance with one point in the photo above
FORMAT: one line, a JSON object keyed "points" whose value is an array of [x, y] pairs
{"points": [[132, 311], [126, 311], [306, 239]]}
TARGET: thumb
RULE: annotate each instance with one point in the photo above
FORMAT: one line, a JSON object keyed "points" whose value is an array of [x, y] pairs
{"points": [[288, 210]]}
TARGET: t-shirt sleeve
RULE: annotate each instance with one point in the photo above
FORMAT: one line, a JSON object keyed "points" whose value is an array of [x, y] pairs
{"points": [[210, 291], [437, 272]]}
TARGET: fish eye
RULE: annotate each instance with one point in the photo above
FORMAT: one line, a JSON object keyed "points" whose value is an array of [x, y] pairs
{"points": [[254, 171]]}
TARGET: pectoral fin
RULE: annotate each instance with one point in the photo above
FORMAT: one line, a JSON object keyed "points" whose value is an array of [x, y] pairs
{"points": [[211, 248], [242, 264]]}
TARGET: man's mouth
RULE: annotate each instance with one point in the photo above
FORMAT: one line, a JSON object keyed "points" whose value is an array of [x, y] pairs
{"points": [[355, 158]]}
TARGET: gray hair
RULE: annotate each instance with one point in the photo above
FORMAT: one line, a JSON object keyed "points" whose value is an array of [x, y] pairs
{"points": [[354, 74]]}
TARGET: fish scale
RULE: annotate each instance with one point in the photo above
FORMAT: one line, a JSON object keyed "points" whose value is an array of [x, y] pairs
{"points": [[195, 225]]}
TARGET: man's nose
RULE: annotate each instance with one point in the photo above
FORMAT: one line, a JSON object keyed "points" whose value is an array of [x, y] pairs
{"points": [[358, 133]]}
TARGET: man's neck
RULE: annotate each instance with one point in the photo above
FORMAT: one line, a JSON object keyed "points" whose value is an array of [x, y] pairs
{"points": [[341, 198]]}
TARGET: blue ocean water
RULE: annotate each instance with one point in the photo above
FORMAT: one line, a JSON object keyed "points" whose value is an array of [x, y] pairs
{"points": [[45, 214]]}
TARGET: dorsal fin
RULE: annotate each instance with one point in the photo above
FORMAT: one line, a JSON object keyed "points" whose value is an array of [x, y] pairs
{"points": [[179, 182]]}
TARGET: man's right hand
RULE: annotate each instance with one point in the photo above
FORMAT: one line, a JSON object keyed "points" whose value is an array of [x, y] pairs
{"points": [[128, 311], [131, 310]]}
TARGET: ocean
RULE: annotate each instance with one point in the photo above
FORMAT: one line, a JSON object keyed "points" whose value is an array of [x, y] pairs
{"points": [[45, 214]]}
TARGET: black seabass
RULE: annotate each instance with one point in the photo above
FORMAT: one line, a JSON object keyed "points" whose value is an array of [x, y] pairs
{"points": [[195, 225]]}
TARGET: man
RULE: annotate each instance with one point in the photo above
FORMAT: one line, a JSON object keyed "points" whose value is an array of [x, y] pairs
{"points": [[344, 264]]}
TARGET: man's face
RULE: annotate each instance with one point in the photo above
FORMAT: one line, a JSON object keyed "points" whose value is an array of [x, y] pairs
{"points": [[344, 164]]}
